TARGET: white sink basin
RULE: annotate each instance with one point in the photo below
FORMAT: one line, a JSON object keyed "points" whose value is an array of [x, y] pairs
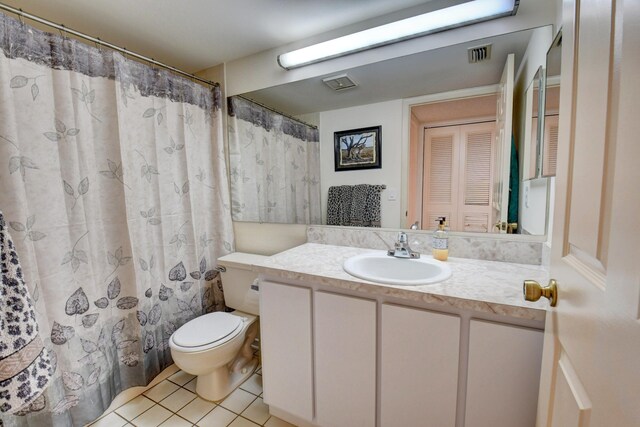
{"points": [[382, 268]]}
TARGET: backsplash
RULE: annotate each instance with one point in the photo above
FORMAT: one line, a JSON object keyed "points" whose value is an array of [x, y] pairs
{"points": [[486, 248]]}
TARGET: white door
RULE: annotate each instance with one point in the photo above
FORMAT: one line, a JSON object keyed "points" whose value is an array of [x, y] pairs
{"points": [[504, 114], [591, 360]]}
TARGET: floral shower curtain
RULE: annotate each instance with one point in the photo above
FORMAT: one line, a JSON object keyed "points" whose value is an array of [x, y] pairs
{"points": [[113, 183], [275, 166]]}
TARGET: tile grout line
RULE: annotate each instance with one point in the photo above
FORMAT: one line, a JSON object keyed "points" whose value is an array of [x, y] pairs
{"points": [[181, 408], [179, 416], [155, 402]]}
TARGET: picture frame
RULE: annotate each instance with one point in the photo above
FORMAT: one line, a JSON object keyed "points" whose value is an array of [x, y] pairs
{"points": [[357, 149]]}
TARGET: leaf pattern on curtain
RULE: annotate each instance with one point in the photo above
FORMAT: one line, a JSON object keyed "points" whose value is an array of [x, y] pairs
{"points": [[274, 166], [114, 185]]}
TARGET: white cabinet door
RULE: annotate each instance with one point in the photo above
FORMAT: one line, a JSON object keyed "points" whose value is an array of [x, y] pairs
{"points": [[503, 376], [419, 379], [286, 345], [345, 349]]}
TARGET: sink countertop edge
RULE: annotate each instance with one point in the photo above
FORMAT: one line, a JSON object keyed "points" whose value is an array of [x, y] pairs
{"points": [[478, 285]]}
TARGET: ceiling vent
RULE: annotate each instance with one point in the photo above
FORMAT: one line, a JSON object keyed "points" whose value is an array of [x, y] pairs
{"points": [[479, 53], [340, 82]]}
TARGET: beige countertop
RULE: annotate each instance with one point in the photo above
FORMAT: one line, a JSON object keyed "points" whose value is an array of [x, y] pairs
{"points": [[486, 286]]}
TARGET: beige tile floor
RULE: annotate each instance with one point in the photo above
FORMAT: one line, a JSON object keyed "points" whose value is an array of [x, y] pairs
{"points": [[173, 403]]}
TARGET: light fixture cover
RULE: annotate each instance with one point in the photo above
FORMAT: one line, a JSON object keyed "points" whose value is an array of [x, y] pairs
{"points": [[431, 22]]}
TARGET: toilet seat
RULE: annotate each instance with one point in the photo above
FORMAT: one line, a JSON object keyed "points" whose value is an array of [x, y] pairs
{"points": [[208, 331]]}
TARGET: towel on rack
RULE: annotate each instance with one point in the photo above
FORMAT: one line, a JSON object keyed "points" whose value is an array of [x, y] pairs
{"points": [[25, 366], [365, 206], [372, 214], [354, 205], [339, 205]]}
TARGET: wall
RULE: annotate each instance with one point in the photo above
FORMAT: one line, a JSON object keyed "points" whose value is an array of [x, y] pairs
{"points": [[268, 239], [533, 193], [389, 116]]}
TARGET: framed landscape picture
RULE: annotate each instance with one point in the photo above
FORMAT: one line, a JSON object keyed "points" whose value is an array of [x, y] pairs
{"points": [[358, 149]]}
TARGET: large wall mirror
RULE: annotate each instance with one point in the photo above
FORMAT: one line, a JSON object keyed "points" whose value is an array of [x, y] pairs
{"points": [[456, 97]]}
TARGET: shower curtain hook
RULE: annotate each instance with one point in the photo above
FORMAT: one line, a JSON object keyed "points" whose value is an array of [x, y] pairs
{"points": [[63, 31], [99, 44], [20, 16]]}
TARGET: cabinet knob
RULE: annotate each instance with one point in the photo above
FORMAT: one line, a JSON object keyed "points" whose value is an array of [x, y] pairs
{"points": [[532, 291]]}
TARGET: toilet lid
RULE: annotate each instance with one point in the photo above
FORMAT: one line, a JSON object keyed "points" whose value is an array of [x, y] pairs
{"points": [[206, 329]]}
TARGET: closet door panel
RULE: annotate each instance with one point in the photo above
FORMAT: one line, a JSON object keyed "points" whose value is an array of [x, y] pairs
{"points": [[440, 175], [477, 142]]}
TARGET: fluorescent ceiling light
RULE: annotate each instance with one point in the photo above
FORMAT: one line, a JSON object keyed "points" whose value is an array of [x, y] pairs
{"points": [[437, 20]]}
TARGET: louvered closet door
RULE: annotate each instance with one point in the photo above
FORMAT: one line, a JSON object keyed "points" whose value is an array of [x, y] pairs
{"points": [[476, 172], [441, 171], [550, 146]]}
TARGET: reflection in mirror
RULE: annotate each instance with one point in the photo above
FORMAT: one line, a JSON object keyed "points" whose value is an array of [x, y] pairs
{"points": [[551, 107], [274, 165], [532, 137], [383, 90], [453, 142]]}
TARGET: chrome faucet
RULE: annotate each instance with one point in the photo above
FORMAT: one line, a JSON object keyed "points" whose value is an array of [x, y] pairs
{"points": [[415, 225], [402, 248]]}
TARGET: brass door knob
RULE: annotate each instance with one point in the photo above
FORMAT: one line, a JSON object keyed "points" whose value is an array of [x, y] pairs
{"points": [[533, 291]]}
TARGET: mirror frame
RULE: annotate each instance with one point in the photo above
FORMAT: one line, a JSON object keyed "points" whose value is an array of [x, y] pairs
{"points": [[539, 78], [557, 42]]}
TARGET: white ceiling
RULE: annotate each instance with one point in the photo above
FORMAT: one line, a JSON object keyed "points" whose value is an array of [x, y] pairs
{"points": [[424, 73], [197, 34]]}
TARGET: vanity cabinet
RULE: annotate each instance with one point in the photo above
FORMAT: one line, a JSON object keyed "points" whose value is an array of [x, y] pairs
{"points": [[286, 346], [335, 360], [503, 375], [419, 367], [345, 360]]}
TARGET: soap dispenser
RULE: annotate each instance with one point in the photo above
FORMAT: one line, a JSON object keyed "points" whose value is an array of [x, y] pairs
{"points": [[440, 244]]}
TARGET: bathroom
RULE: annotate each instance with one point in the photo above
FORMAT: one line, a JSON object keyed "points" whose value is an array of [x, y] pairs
{"points": [[146, 178]]}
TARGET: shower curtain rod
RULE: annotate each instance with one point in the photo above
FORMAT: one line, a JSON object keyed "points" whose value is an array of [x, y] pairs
{"points": [[276, 111], [62, 28]]}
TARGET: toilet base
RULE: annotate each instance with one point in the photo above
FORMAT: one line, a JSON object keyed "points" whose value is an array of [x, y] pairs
{"points": [[220, 383]]}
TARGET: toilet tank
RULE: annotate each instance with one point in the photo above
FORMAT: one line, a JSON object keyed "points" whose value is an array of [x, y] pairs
{"points": [[237, 281]]}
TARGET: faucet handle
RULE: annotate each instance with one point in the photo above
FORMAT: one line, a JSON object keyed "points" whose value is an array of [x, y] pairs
{"points": [[402, 237]]}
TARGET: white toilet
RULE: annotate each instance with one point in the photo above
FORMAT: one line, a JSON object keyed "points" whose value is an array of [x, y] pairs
{"points": [[216, 347]]}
